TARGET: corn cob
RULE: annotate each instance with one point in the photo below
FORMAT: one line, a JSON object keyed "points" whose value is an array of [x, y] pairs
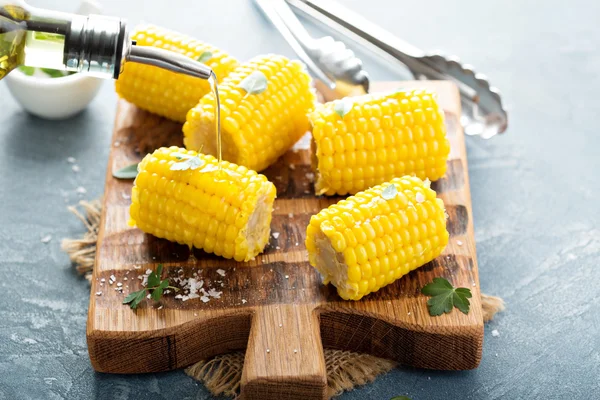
{"points": [[381, 137], [258, 128], [166, 93], [226, 212], [374, 237]]}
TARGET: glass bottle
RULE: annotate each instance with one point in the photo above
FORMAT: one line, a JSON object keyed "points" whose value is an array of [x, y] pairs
{"points": [[95, 44]]}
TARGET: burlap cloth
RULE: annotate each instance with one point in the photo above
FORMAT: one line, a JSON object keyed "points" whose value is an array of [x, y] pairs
{"points": [[222, 374]]}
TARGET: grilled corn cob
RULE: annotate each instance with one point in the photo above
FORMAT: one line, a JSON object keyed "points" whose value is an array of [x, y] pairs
{"points": [[167, 93], [379, 138], [256, 128], [374, 237], [182, 196]]}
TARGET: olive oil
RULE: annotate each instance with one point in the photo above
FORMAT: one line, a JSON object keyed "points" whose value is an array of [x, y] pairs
{"points": [[215, 89], [31, 41]]}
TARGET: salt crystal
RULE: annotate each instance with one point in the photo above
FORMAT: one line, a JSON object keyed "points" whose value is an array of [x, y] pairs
{"points": [[495, 333], [46, 239], [287, 277], [125, 196], [113, 278], [119, 284], [98, 293], [276, 235], [125, 278], [244, 301], [291, 215], [292, 167], [214, 293], [428, 378], [408, 313], [458, 242], [75, 168], [295, 351], [178, 296], [310, 175], [221, 272], [297, 243], [268, 350], [280, 325], [148, 271], [496, 354], [277, 247], [160, 308], [420, 197], [81, 190], [148, 296], [137, 267], [71, 160], [117, 143], [205, 299]]}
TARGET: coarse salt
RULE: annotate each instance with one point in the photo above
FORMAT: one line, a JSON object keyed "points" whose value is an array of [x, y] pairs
{"points": [[71, 160], [98, 293], [205, 299], [458, 242], [46, 239], [75, 168], [292, 167], [81, 190], [420, 197], [495, 333], [287, 277], [244, 301], [221, 272], [276, 235]]}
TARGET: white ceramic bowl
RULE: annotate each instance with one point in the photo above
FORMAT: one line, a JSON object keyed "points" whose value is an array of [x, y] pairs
{"points": [[53, 98], [56, 98]]}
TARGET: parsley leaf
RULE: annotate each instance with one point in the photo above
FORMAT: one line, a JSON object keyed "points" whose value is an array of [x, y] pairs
{"points": [[204, 57], [255, 83], [343, 107], [444, 297], [128, 172], [155, 288], [389, 192], [189, 163]]}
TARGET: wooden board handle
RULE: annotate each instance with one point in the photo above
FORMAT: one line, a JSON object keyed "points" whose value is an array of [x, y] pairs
{"points": [[284, 358]]}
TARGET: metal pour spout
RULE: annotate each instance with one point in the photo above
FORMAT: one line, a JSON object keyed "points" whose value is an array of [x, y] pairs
{"points": [[168, 60]]}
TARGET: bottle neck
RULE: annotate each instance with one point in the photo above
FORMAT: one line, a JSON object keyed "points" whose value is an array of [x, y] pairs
{"points": [[95, 45]]}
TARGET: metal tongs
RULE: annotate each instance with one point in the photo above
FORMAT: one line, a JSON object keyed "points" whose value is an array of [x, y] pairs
{"points": [[329, 60], [482, 111]]}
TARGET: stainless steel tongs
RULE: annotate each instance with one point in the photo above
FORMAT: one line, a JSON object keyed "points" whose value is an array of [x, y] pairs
{"points": [[483, 112], [329, 60]]}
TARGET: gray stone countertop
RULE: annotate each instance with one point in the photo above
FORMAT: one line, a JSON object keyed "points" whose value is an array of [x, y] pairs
{"points": [[535, 197]]}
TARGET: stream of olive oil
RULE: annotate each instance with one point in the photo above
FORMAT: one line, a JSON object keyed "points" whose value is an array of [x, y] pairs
{"points": [[215, 89]]}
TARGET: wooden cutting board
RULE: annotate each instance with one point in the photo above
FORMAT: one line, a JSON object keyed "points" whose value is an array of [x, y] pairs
{"points": [[275, 307]]}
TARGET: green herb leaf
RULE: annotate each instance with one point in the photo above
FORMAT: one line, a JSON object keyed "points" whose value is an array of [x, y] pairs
{"points": [[134, 298], [445, 297], [255, 83], [157, 293], [153, 280], [128, 172], [131, 297], [343, 107], [53, 73], [29, 71], [389, 192], [204, 57], [164, 284], [189, 163]]}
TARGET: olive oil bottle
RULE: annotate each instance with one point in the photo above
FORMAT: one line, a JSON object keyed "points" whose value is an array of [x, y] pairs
{"points": [[95, 44]]}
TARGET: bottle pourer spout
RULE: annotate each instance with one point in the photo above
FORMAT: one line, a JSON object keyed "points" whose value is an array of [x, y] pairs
{"points": [[168, 60]]}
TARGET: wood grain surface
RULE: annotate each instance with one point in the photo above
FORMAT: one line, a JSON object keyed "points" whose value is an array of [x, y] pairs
{"points": [[275, 306]]}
